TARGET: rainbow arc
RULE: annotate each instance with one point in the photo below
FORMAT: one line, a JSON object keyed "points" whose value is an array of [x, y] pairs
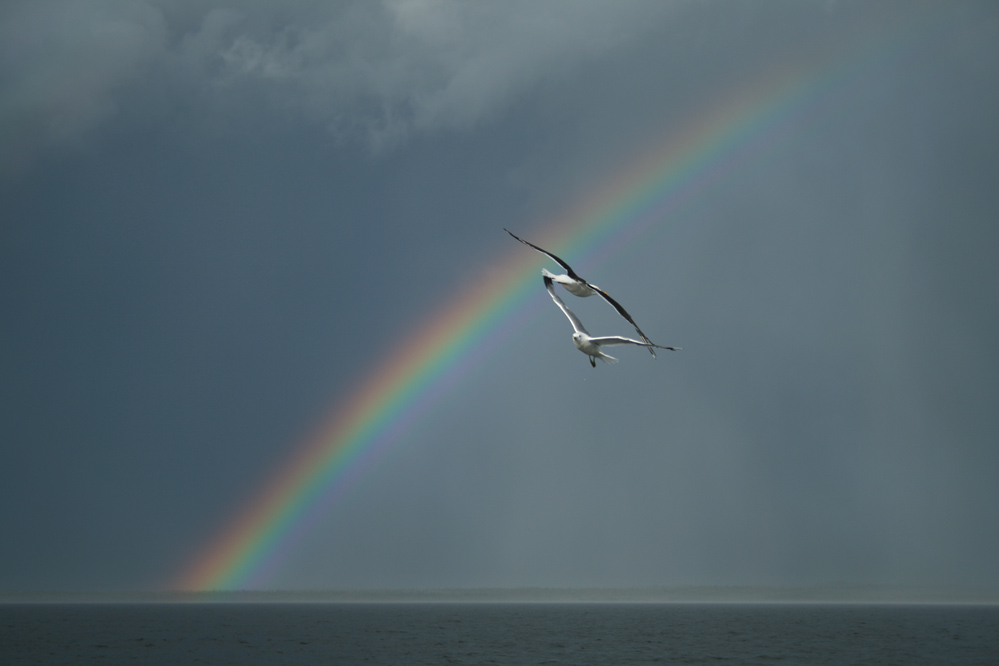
{"points": [[399, 390]]}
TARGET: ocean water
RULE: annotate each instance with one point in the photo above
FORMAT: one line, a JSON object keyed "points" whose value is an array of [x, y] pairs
{"points": [[498, 633]]}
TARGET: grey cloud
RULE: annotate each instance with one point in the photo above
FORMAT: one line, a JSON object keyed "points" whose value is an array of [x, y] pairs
{"points": [[384, 71], [61, 64], [374, 72]]}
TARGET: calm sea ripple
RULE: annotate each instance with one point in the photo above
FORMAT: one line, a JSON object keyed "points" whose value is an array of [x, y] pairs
{"points": [[454, 633]]}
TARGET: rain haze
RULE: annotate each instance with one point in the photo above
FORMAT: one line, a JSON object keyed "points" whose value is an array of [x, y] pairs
{"points": [[218, 219]]}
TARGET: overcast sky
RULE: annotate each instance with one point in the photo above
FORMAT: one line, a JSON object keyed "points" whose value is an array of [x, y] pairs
{"points": [[218, 218]]}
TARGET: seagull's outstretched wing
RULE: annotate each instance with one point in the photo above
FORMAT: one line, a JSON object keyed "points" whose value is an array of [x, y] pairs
{"points": [[573, 319], [568, 270], [621, 311], [617, 340], [621, 340]]}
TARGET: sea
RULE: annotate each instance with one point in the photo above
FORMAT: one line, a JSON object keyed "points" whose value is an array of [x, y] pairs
{"points": [[498, 633]]}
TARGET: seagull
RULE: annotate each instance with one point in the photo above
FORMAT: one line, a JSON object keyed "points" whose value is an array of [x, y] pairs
{"points": [[584, 341], [579, 287]]}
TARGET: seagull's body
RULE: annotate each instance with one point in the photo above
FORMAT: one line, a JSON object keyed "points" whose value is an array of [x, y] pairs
{"points": [[585, 342], [577, 286]]}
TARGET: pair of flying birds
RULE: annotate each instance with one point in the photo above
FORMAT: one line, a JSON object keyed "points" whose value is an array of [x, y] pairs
{"points": [[577, 286]]}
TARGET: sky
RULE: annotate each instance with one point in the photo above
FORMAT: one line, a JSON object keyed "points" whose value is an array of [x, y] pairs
{"points": [[220, 220]]}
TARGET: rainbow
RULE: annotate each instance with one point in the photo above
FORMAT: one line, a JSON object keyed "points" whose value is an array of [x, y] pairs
{"points": [[399, 390]]}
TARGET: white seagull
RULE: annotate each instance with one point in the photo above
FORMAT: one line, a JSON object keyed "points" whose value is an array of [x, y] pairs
{"points": [[584, 341], [579, 287]]}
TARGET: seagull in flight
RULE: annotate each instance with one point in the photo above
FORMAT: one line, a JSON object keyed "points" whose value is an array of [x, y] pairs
{"points": [[579, 287], [586, 343]]}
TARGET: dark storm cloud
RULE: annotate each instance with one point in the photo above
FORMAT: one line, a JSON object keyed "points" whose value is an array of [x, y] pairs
{"points": [[365, 70], [61, 64]]}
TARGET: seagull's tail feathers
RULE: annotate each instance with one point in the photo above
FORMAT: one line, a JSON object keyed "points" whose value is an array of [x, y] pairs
{"points": [[606, 358], [548, 274]]}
